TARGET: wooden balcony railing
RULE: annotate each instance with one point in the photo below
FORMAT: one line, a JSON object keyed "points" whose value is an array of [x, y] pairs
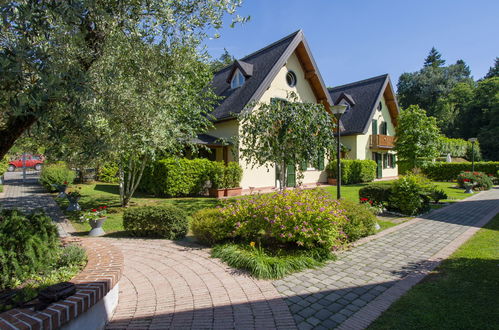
{"points": [[380, 141]]}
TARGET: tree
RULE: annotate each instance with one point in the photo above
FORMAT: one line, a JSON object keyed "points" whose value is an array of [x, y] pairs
{"points": [[494, 70], [285, 133], [434, 59], [449, 108], [416, 137], [224, 60], [48, 49]]}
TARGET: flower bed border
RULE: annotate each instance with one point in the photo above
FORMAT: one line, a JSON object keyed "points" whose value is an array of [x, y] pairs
{"points": [[101, 274]]}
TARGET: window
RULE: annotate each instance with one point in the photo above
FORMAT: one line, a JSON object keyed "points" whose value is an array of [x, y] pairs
{"points": [[375, 127], [237, 80], [291, 78], [380, 106], [385, 160]]}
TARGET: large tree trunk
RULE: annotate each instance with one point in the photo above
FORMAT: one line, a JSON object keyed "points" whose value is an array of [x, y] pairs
{"points": [[14, 128]]}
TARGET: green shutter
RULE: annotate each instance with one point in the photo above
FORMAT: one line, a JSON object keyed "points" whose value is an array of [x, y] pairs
{"points": [[394, 161], [375, 127], [385, 160], [291, 179], [384, 128], [303, 165], [320, 162]]}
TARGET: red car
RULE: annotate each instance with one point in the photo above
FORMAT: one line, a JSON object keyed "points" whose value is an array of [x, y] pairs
{"points": [[34, 161]]}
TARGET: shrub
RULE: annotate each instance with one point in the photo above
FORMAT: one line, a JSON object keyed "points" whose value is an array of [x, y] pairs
{"points": [[410, 194], [166, 221], [108, 173], [218, 178], [480, 180], [4, 165], [376, 192], [437, 194], [309, 218], [233, 175], [361, 222], [353, 171], [71, 255], [56, 174], [443, 171], [270, 264], [177, 177], [28, 245], [209, 226]]}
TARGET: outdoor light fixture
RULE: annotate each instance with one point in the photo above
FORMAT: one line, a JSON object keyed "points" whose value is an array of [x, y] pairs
{"points": [[473, 141], [338, 111]]}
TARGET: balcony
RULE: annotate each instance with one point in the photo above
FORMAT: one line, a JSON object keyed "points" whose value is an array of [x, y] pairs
{"points": [[380, 141]]}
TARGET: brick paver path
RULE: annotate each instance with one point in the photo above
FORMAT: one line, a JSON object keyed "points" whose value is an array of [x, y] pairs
{"points": [[29, 196], [176, 285], [349, 293]]}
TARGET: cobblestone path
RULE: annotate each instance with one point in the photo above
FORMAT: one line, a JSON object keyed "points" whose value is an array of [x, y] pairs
{"points": [[348, 293]]}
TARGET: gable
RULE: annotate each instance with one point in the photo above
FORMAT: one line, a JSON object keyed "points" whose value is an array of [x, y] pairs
{"points": [[266, 65]]}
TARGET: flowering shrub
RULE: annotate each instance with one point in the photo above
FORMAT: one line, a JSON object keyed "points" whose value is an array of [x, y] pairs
{"points": [[362, 219], [94, 214], [308, 218], [373, 206], [479, 180]]}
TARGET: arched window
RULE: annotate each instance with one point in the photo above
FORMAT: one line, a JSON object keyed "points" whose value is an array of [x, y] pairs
{"points": [[237, 80], [291, 78]]}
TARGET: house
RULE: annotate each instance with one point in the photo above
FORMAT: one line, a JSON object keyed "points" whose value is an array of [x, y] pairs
{"points": [[284, 66], [368, 125]]}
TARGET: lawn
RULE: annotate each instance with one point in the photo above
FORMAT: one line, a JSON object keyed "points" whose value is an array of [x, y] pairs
{"points": [[100, 194], [460, 294]]}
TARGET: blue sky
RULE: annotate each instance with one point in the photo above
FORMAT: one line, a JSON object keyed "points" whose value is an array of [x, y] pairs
{"points": [[357, 39]]}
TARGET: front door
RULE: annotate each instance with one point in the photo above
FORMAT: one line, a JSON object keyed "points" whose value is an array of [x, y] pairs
{"points": [[379, 165]]}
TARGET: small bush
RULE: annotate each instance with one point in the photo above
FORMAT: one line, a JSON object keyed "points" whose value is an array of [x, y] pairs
{"points": [[410, 194], [56, 174], [377, 192], [267, 264], [353, 171], [361, 222], [443, 171], [438, 194], [479, 180], [233, 175], [166, 221], [4, 165], [209, 227], [71, 255], [28, 245], [108, 173]]}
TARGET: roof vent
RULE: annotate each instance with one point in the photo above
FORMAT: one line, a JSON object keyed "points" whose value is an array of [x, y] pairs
{"points": [[346, 97]]}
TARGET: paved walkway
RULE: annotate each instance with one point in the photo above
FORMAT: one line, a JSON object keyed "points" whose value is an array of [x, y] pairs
{"points": [[176, 285]]}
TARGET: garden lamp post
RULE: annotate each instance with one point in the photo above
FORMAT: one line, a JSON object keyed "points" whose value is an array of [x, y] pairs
{"points": [[338, 111], [472, 140]]}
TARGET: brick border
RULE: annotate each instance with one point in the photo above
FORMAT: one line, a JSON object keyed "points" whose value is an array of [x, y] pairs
{"points": [[101, 274], [369, 313]]}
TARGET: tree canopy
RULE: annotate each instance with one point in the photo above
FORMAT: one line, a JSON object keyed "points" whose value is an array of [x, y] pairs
{"points": [[285, 132]]}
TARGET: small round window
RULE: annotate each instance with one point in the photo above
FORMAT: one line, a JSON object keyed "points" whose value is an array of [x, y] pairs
{"points": [[291, 79]]}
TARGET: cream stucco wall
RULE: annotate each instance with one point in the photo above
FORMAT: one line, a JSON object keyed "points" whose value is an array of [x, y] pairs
{"points": [[259, 177]]}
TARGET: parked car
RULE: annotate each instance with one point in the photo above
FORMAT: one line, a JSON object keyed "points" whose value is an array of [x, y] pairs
{"points": [[35, 161]]}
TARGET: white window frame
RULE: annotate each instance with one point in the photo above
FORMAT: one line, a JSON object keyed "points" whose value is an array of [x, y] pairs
{"points": [[238, 79]]}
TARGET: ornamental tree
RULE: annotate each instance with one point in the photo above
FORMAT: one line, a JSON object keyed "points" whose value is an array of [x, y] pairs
{"points": [[49, 48], [285, 132], [417, 136]]}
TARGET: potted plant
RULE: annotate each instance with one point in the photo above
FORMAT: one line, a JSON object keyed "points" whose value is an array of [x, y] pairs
{"points": [[218, 180], [233, 176], [95, 218], [61, 188], [468, 185], [73, 197]]}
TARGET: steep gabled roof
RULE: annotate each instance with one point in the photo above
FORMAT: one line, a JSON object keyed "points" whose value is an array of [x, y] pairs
{"points": [[265, 64], [366, 94], [245, 68]]}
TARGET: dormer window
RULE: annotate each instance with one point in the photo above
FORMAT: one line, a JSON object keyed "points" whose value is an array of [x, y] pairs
{"points": [[237, 79]]}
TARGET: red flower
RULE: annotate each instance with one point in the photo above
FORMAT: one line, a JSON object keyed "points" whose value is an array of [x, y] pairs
{"points": [[466, 180], [65, 182], [104, 207], [475, 173], [100, 207], [364, 199], [94, 210]]}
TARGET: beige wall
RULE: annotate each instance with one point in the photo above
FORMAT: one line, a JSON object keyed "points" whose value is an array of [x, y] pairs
{"points": [[261, 176]]}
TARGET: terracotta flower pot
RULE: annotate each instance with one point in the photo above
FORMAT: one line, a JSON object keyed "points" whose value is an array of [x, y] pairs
{"points": [[216, 192], [331, 181], [233, 191], [97, 227]]}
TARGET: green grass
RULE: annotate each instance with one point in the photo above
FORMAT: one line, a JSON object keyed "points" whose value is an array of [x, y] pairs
{"points": [[386, 224], [269, 264], [99, 194], [460, 294]]}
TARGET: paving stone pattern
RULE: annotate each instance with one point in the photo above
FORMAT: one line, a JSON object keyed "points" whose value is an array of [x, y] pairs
{"points": [[28, 195], [324, 298], [176, 285]]}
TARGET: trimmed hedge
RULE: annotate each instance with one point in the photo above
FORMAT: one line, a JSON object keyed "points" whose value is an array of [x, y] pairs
{"points": [[443, 171], [56, 174], [353, 171], [376, 192], [28, 245], [173, 177], [167, 221], [209, 228], [176, 177]]}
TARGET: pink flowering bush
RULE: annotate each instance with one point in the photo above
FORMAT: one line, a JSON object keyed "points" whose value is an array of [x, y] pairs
{"points": [[307, 218]]}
